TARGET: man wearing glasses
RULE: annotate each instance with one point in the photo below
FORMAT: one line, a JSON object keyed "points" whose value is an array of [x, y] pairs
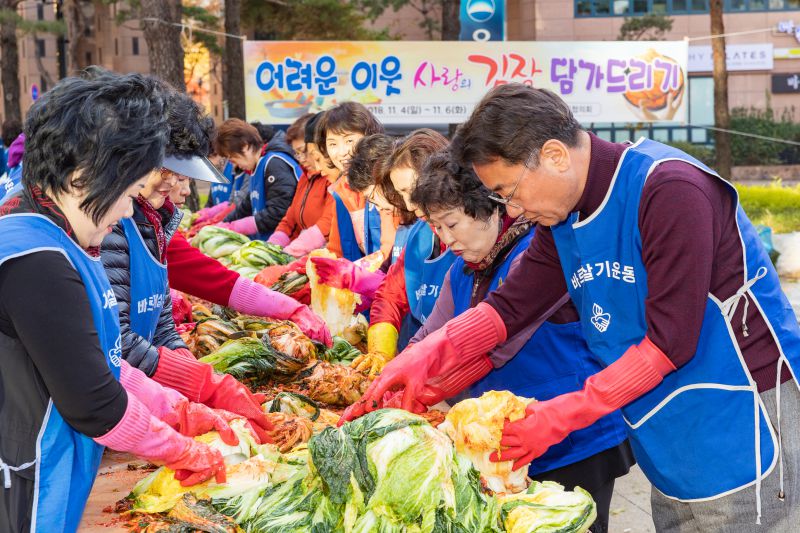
{"points": [[678, 301]]}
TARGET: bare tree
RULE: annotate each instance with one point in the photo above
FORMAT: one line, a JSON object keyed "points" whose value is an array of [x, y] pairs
{"points": [[722, 118], [161, 21], [233, 67], [9, 59], [451, 20]]}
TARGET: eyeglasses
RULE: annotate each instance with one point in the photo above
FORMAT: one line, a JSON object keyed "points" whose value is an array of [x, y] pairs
{"points": [[506, 200]]}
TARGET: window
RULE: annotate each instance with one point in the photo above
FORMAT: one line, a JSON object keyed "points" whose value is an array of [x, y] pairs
{"points": [[43, 85], [116, 46], [40, 48], [88, 58], [135, 46], [39, 11], [623, 8]]}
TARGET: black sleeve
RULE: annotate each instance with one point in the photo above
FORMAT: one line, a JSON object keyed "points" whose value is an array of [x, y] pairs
{"points": [[166, 334], [243, 208], [44, 301], [116, 259], [280, 187]]}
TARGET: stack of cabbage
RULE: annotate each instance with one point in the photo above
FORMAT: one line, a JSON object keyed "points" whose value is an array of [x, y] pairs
{"points": [[389, 471], [237, 252]]}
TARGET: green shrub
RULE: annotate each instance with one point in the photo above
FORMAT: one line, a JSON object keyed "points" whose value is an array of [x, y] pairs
{"points": [[772, 205], [752, 151]]}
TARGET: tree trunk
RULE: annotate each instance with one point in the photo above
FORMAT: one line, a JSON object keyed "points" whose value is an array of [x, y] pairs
{"points": [[722, 118], [9, 63], [233, 67], [451, 20], [76, 28], [164, 40]]}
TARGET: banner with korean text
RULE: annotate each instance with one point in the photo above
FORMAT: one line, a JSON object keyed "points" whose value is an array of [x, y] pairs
{"points": [[441, 82]]}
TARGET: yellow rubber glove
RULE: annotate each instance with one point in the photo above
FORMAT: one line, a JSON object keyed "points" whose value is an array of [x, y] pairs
{"points": [[381, 348]]}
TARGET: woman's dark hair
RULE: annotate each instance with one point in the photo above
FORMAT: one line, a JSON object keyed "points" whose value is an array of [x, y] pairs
{"points": [[191, 130], [512, 121], [265, 131], [444, 185], [310, 129], [11, 130], [368, 160], [346, 117], [112, 129], [234, 136], [298, 129], [368, 167], [415, 149]]}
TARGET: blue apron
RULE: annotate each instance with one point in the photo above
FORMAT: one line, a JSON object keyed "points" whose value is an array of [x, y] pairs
{"points": [[554, 361], [703, 432], [258, 193], [400, 240], [10, 183], [347, 233], [221, 192], [148, 279], [372, 228], [66, 461], [424, 277]]}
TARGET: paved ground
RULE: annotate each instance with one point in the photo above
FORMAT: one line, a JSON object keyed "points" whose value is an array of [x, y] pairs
{"points": [[630, 505]]}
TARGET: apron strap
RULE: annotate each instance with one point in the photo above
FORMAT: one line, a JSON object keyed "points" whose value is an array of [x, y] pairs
{"points": [[7, 469], [730, 305]]}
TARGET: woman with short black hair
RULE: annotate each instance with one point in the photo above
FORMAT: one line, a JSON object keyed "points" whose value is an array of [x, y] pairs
{"points": [[66, 391]]}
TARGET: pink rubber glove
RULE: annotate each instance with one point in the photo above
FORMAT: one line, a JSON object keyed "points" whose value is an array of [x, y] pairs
{"points": [[198, 382], [309, 239], [312, 325], [640, 369], [343, 274], [170, 406], [461, 343], [279, 238], [245, 226], [253, 298], [142, 434], [207, 213]]}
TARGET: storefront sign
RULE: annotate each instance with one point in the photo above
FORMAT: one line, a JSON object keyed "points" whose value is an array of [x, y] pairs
{"points": [[788, 26], [785, 83], [440, 83], [483, 20], [738, 57], [786, 53]]}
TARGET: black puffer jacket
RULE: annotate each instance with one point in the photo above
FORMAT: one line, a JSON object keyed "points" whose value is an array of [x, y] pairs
{"points": [[136, 349], [280, 184]]}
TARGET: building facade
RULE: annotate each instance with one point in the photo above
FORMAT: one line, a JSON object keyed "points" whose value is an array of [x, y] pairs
{"points": [[763, 63], [108, 42]]}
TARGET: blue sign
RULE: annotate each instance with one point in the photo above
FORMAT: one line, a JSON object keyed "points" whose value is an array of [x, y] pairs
{"points": [[483, 20], [34, 92]]}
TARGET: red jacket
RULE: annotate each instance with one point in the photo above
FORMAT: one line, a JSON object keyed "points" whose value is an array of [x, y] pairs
{"points": [[391, 302], [192, 272], [311, 205]]}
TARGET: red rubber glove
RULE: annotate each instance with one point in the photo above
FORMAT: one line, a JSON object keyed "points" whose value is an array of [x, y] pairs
{"points": [[198, 382], [460, 344], [197, 464], [312, 325], [141, 433], [192, 419], [640, 369]]}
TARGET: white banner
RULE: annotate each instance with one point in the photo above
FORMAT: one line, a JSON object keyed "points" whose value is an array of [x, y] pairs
{"points": [[738, 57]]}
